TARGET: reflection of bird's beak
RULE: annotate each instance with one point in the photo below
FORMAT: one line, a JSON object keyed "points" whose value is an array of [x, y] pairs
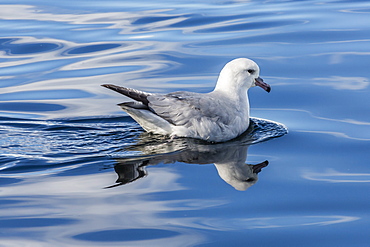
{"points": [[257, 168], [262, 84]]}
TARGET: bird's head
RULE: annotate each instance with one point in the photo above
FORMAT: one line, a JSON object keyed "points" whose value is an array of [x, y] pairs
{"points": [[240, 73]]}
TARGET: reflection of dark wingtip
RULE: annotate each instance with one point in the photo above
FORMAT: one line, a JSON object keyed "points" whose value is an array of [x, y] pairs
{"points": [[129, 172], [258, 168], [114, 185]]}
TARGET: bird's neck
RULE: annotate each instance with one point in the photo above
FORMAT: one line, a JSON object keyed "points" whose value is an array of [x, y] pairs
{"points": [[231, 83], [232, 92]]}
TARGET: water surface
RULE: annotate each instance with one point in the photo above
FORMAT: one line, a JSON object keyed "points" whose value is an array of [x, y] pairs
{"points": [[75, 170]]}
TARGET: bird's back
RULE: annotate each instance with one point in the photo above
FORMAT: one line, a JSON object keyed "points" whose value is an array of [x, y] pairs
{"points": [[204, 116]]}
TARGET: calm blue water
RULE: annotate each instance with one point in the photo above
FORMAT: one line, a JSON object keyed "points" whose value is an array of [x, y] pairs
{"points": [[75, 170]]}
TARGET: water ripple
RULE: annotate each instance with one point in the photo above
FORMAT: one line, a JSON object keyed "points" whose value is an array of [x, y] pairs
{"points": [[281, 221], [45, 95], [26, 48], [333, 176], [55, 158], [126, 235], [91, 48], [248, 26], [25, 107], [60, 145]]}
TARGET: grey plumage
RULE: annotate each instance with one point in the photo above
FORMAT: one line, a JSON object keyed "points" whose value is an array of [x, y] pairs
{"points": [[169, 106], [218, 116]]}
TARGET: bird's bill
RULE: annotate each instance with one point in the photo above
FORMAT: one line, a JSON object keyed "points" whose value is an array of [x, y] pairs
{"points": [[257, 168], [262, 84]]}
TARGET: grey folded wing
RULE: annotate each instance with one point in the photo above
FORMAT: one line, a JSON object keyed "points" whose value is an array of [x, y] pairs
{"points": [[185, 108], [179, 108]]}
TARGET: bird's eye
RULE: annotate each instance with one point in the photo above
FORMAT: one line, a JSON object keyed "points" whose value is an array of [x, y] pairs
{"points": [[251, 71]]}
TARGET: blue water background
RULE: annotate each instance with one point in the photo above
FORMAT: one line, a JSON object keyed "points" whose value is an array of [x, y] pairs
{"points": [[62, 136]]}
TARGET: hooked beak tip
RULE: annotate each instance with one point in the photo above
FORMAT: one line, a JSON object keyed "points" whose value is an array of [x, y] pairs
{"points": [[259, 82]]}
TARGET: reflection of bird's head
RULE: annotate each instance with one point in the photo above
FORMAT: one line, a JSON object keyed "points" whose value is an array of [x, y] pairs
{"points": [[240, 175]]}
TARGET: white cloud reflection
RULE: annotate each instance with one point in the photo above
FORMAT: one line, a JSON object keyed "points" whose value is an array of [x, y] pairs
{"points": [[308, 122], [333, 176], [134, 59], [30, 12], [280, 221], [87, 209], [335, 134], [82, 201], [343, 83]]}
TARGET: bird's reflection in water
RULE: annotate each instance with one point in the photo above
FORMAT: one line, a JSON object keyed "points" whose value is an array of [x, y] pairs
{"points": [[229, 157]]}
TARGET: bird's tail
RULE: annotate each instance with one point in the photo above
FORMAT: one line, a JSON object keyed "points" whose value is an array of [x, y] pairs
{"points": [[129, 92]]}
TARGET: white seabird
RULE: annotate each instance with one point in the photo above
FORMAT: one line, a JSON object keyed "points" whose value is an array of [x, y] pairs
{"points": [[218, 116]]}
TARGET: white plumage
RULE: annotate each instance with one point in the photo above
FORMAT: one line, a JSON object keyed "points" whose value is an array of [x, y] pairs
{"points": [[218, 116]]}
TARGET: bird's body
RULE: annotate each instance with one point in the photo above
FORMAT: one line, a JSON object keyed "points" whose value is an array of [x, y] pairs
{"points": [[218, 116]]}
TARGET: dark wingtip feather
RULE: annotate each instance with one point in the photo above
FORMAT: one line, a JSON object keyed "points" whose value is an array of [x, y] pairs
{"points": [[113, 87], [135, 105], [129, 92]]}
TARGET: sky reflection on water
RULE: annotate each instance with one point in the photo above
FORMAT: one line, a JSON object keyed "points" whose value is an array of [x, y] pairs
{"points": [[62, 134]]}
